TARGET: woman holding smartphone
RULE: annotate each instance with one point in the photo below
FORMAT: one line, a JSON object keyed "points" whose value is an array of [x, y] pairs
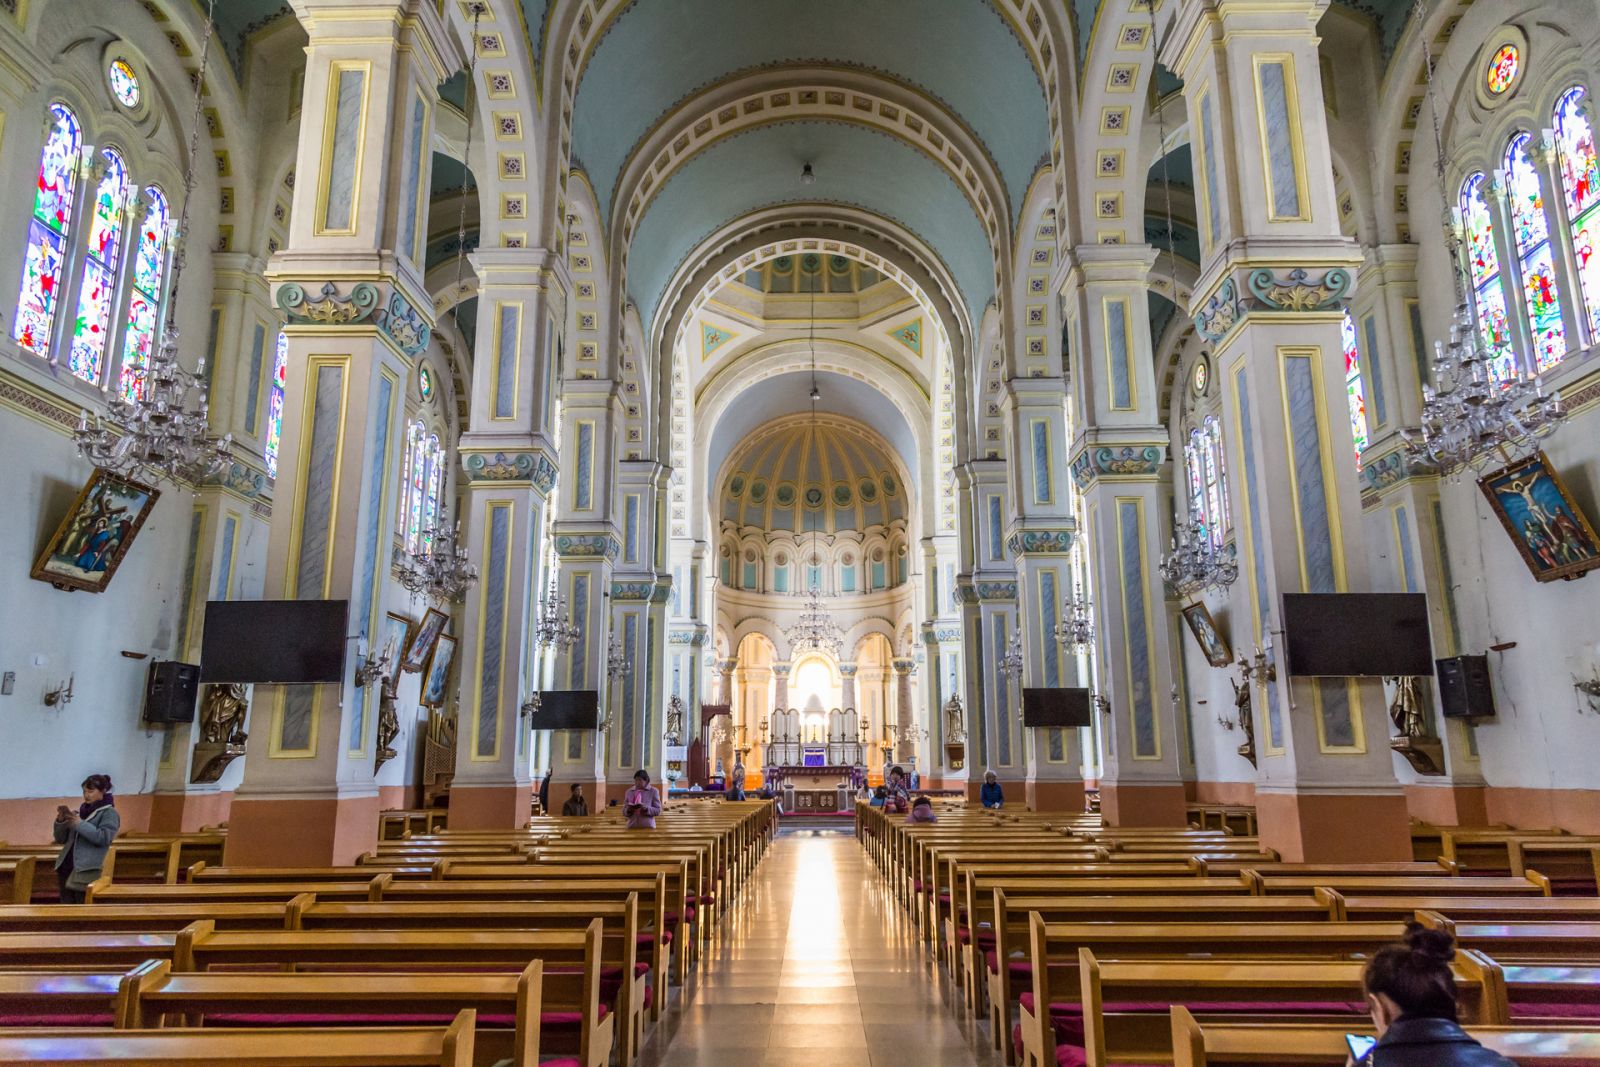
{"points": [[642, 803], [85, 836], [1412, 996]]}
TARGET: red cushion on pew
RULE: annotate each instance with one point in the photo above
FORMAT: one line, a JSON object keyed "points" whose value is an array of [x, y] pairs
{"points": [[688, 915], [963, 935], [10, 1019], [566, 1020], [648, 940], [703, 898], [916, 885], [1067, 1056], [560, 1063], [986, 938], [1522, 1012], [318, 1018], [1018, 968]]}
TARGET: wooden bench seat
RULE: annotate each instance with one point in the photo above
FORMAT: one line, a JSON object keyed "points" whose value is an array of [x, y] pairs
{"points": [[59, 998], [1375, 886], [127, 918], [397, 1046], [16, 878], [1218, 1044]]}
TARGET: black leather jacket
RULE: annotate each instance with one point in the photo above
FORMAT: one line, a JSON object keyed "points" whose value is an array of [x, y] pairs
{"points": [[1430, 1043]]}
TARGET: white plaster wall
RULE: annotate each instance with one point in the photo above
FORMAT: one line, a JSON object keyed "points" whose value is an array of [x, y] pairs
{"points": [[47, 635]]}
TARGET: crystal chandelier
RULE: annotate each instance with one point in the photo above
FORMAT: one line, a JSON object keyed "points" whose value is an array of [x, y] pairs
{"points": [[1195, 563], [1472, 418], [1076, 628], [617, 665], [555, 625], [1011, 662], [816, 629], [441, 570], [163, 432]]}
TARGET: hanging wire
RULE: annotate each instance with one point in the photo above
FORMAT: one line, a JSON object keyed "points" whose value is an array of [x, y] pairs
{"points": [[469, 111], [181, 233], [1447, 218]]}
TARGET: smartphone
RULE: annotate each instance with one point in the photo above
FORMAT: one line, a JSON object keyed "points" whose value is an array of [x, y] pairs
{"points": [[1360, 1045]]}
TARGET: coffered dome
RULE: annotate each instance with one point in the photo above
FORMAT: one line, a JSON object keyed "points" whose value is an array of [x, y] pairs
{"points": [[798, 474]]}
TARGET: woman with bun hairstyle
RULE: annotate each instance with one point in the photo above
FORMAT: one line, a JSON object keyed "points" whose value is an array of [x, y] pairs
{"points": [[85, 836], [1412, 995]]}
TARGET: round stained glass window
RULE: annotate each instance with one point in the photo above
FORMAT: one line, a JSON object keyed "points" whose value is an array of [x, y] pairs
{"points": [[1201, 378], [425, 383], [124, 83], [1503, 68]]}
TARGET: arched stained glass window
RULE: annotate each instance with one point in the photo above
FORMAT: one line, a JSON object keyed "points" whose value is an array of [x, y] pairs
{"points": [[1530, 232], [423, 506], [149, 259], [1580, 182], [1354, 391], [430, 504], [275, 391], [1197, 479], [47, 232], [101, 263], [1488, 289], [1216, 481]]}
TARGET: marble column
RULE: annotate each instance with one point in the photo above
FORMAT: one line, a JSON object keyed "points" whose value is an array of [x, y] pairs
{"points": [[509, 465], [905, 709], [1118, 456], [847, 685], [350, 287], [780, 674], [1275, 275]]}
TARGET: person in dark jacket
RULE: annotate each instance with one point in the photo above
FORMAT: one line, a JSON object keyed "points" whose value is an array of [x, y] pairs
{"points": [[991, 794], [576, 805], [544, 792], [85, 836], [1412, 996]]}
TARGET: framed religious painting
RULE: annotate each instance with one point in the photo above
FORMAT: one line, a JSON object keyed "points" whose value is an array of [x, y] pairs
{"points": [[436, 679], [94, 537], [394, 633], [1206, 634], [422, 639], [1545, 523]]}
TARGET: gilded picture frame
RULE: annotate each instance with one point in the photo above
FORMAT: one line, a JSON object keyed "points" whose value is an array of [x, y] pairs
{"points": [[436, 676], [422, 641], [1550, 530], [94, 536], [1206, 635]]}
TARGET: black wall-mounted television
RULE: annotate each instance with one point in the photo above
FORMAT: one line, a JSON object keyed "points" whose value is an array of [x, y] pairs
{"points": [[1048, 708], [568, 709], [1357, 634], [284, 642]]}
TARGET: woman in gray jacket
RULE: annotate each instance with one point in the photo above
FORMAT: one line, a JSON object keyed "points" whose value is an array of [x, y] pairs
{"points": [[85, 836]]}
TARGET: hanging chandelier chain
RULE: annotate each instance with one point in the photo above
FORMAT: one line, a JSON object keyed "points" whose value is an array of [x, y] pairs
{"points": [[181, 232], [469, 112]]}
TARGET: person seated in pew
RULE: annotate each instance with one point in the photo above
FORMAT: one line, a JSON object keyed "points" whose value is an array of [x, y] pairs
{"points": [[575, 805], [1412, 996], [898, 799], [880, 797], [642, 803], [922, 811], [991, 795], [85, 837]]}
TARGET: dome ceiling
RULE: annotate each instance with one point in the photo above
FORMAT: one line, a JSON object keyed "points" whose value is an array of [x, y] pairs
{"points": [[799, 475]]}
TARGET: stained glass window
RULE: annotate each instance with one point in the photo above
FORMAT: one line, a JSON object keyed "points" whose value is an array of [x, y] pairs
{"points": [[1502, 70], [149, 258], [1354, 392], [1530, 230], [1216, 481], [47, 232], [275, 392], [100, 265], [430, 503], [1197, 478], [124, 83], [1488, 291], [423, 493], [1580, 181]]}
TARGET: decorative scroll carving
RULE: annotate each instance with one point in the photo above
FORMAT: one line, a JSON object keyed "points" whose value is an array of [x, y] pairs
{"points": [[328, 308], [1040, 542], [1126, 461], [1297, 291]]}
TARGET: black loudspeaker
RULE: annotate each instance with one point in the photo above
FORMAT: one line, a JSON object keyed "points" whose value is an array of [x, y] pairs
{"points": [[172, 691], [1464, 691]]}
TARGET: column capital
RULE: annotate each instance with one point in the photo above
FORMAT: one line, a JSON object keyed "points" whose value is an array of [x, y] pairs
{"points": [[848, 670], [1114, 457], [781, 670], [367, 299], [1094, 264], [1200, 21], [528, 464], [523, 268], [903, 666], [1313, 284], [340, 22]]}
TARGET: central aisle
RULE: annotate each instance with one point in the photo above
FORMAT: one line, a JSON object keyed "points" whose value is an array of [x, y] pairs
{"points": [[816, 956]]}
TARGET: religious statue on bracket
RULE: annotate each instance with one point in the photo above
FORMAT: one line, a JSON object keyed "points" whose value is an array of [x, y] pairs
{"points": [[388, 721], [1247, 719], [222, 736], [675, 713], [1414, 741], [955, 734]]}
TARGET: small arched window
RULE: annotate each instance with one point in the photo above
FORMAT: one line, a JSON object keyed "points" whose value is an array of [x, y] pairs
{"points": [[1530, 232], [422, 513], [101, 264], [1355, 393], [1580, 182], [275, 391], [144, 299], [1488, 288], [47, 232], [1208, 485]]}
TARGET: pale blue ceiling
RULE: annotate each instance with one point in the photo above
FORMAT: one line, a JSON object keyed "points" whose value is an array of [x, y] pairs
{"points": [[960, 51], [238, 19], [786, 394], [1388, 17], [853, 166]]}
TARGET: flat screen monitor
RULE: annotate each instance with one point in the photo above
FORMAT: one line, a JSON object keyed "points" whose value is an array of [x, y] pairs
{"points": [[283, 642], [1357, 634], [1055, 707], [568, 709]]}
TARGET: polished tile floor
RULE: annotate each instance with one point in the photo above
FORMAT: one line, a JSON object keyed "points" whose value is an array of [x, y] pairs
{"points": [[816, 959]]}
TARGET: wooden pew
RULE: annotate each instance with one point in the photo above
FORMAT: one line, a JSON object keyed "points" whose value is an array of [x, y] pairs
{"points": [[397, 1046], [1242, 987], [1382, 886], [1219, 1044], [104, 892], [1572, 864], [1485, 908], [59, 998], [155, 996], [85, 951], [1522, 941], [201, 947], [129, 918], [16, 878]]}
